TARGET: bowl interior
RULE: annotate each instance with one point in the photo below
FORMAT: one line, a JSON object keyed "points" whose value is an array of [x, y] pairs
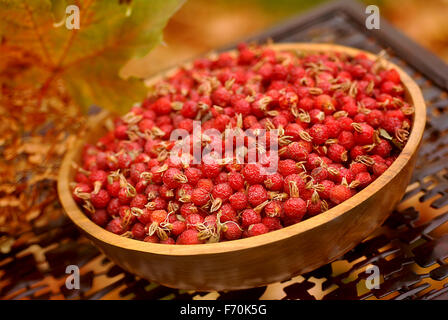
{"points": [[413, 96]]}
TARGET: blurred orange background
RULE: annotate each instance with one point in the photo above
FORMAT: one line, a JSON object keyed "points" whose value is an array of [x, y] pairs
{"points": [[203, 25]]}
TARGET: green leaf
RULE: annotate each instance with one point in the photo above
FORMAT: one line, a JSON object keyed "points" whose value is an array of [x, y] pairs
{"points": [[385, 134], [87, 59]]}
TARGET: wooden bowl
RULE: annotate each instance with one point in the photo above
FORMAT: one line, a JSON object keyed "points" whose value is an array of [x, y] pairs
{"points": [[271, 257]]}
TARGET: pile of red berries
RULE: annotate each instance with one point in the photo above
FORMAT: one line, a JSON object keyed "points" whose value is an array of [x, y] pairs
{"points": [[342, 122]]}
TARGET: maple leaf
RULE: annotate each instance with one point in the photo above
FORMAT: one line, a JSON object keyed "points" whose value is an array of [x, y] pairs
{"points": [[88, 60]]}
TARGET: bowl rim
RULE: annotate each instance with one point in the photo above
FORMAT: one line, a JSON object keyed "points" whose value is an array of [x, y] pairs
{"points": [[101, 234]]}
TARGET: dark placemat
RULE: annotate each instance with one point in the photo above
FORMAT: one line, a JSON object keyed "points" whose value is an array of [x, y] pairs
{"points": [[410, 249]]}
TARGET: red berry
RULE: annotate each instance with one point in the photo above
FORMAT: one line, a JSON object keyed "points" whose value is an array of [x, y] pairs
{"points": [[178, 227], [288, 99], [272, 223], [395, 114], [168, 240], [138, 231], [98, 175], [121, 132], [293, 130], [242, 106], [81, 188], [193, 175], [273, 209], [307, 103], [319, 133], [189, 236], [340, 193], [319, 174], [159, 203], [383, 148], [222, 191], [158, 216], [274, 182], [165, 192], [357, 167], [334, 128], [287, 167], [393, 76], [139, 201], [221, 178], [346, 139], [248, 217], [145, 217], [235, 181], [189, 109], [232, 231], [162, 106], [379, 168], [325, 103], [364, 179], [183, 194], [100, 199], [337, 153], [193, 220], [345, 123], [238, 200], [257, 229], [146, 125], [294, 208], [221, 97], [200, 196], [228, 213], [375, 118], [113, 188], [100, 217], [297, 180], [188, 208], [392, 124], [206, 184], [351, 108], [363, 133], [81, 178], [211, 168], [357, 151], [256, 194], [173, 178], [327, 187], [115, 226], [297, 152], [314, 208], [152, 239], [113, 207], [253, 173]]}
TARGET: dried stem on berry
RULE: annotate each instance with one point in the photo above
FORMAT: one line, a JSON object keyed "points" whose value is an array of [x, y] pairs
{"points": [[293, 189], [357, 127], [215, 205], [324, 205], [88, 206], [368, 161], [402, 135], [305, 136], [82, 195]]}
